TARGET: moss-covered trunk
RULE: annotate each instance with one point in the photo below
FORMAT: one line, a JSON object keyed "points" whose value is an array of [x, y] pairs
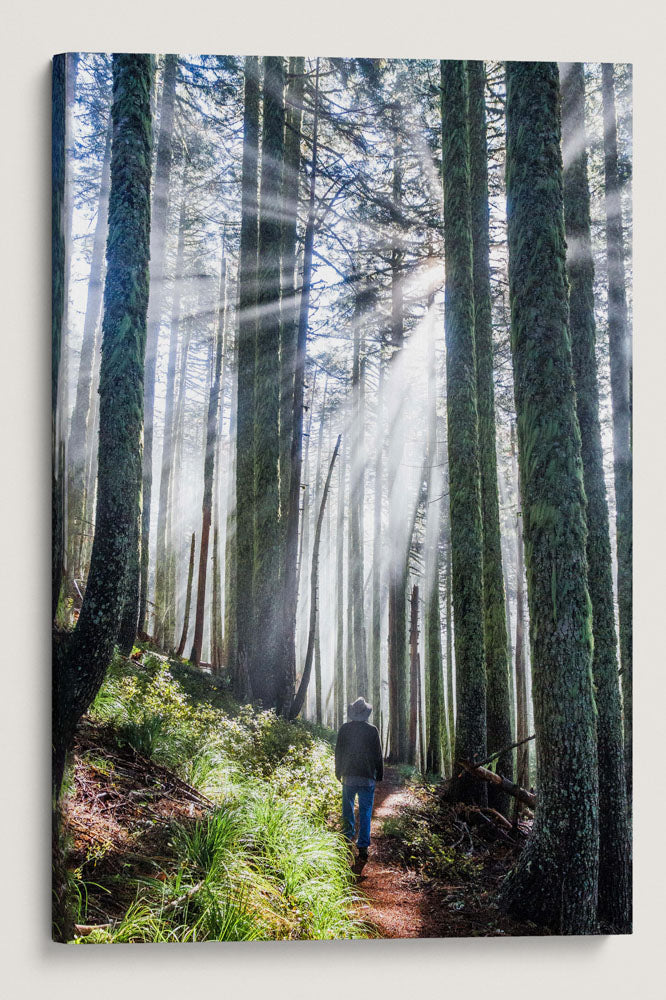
{"points": [[339, 596], [620, 369], [496, 644], [290, 303], [291, 568], [246, 377], [58, 119], [81, 663], [463, 440], [614, 841], [266, 666], [398, 677], [555, 881]]}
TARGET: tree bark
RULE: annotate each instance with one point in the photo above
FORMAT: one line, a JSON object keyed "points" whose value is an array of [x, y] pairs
{"points": [[496, 643], [414, 671], [620, 366], [246, 378], [614, 839], [58, 281], [397, 584], [209, 469], [291, 569], [299, 697], [158, 235], [188, 599], [555, 881], [267, 667], [463, 442], [289, 314], [81, 662]]}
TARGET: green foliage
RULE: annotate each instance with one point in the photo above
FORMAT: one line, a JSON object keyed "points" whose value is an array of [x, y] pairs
{"points": [[267, 862], [423, 842]]}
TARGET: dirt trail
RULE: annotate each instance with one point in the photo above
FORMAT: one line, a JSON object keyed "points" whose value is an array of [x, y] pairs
{"points": [[398, 903]]}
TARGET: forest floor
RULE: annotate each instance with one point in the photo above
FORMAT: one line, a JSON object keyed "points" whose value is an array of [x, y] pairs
{"points": [[405, 898], [137, 805]]}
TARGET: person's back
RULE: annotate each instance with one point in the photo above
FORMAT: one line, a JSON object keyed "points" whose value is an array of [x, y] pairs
{"points": [[358, 752], [359, 764]]}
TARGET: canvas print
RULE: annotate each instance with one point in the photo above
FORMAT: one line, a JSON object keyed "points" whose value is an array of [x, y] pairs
{"points": [[342, 498]]}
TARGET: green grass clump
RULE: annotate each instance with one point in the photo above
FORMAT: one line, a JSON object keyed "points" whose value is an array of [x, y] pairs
{"points": [[268, 861]]}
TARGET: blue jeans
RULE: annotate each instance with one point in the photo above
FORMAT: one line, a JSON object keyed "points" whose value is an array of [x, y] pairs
{"points": [[366, 796]]}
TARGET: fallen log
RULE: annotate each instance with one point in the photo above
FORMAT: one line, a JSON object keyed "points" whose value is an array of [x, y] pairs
{"points": [[83, 930], [483, 774]]}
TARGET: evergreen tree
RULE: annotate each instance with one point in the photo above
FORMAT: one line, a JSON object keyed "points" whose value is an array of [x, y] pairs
{"points": [[246, 347], [614, 842], [265, 669], [209, 474], [81, 662], [620, 366], [496, 643], [461, 401], [79, 503], [555, 881], [289, 313], [160, 212], [398, 677], [298, 353], [58, 131]]}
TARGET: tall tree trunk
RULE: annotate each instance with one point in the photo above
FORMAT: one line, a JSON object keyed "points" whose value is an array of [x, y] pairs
{"points": [[620, 364], [58, 291], [318, 487], [357, 499], [397, 605], [267, 668], [496, 642], [555, 881], [522, 723], [188, 599], [414, 672], [461, 401], [435, 722], [339, 596], [291, 569], [230, 544], [81, 424], [163, 547], [80, 663], [376, 634], [450, 707], [289, 313], [299, 697], [614, 839], [158, 236], [245, 382], [209, 470]]}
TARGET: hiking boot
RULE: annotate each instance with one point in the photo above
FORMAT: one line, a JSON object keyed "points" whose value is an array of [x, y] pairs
{"points": [[363, 853]]}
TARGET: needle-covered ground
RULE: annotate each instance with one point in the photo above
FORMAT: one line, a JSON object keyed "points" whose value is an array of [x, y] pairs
{"points": [[434, 868]]}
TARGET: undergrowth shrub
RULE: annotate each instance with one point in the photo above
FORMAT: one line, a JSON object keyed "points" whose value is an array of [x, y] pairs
{"points": [[267, 863], [422, 838]]}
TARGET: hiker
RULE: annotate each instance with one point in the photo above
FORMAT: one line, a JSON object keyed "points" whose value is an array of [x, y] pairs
{"points": [[358, 765]]}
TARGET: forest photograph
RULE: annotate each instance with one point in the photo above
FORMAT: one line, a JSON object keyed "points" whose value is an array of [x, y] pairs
{"points": [[341, 444]]}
